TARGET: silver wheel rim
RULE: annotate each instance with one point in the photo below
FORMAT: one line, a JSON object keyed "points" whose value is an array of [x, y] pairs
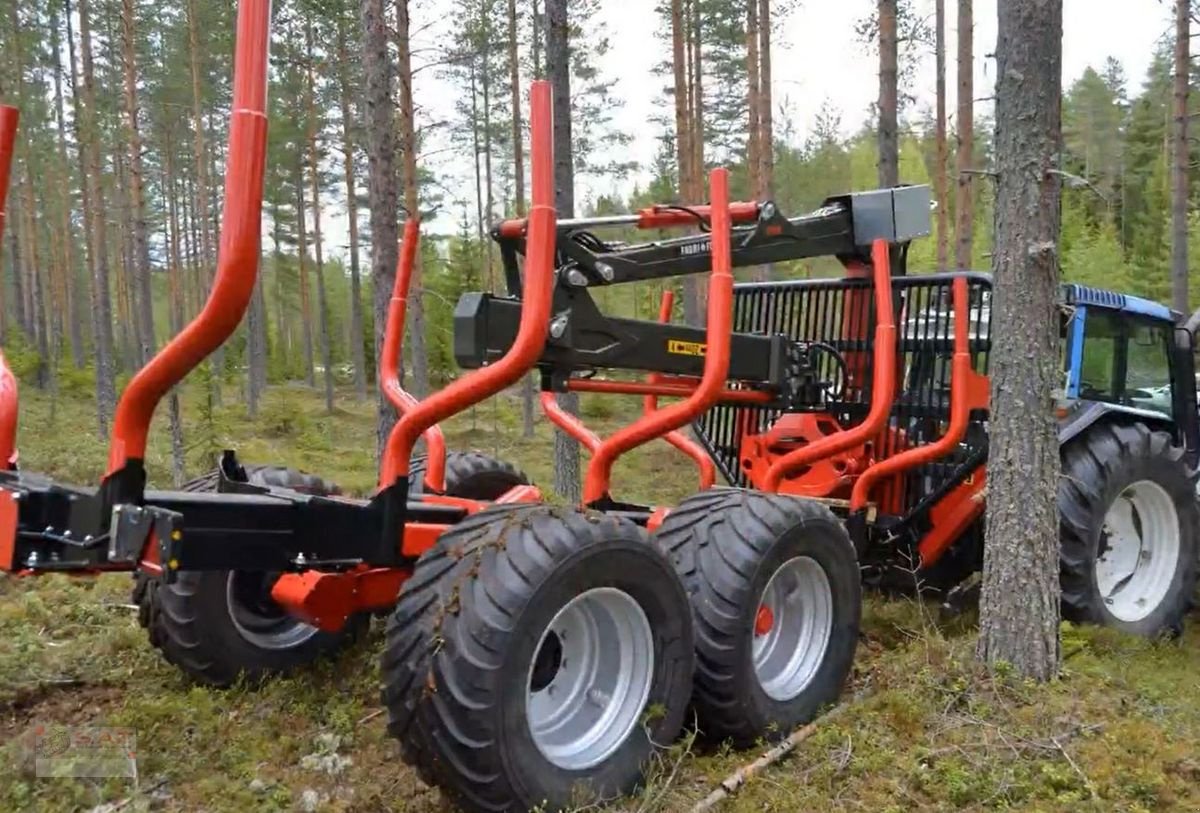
{"points": [[1139, 551], [792, 628], [257, 618], [590, 678]]}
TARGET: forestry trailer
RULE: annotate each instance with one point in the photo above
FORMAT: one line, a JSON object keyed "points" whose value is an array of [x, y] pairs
{"points": [[537, 655]]}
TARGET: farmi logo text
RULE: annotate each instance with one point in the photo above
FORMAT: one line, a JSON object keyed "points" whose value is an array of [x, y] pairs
{"points": [[680, 348]]}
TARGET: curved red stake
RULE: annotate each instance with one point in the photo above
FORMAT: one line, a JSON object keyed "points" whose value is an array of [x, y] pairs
{"points": [[960, 370], [389, 365], [708, 471], [9, 117], [716, 359], [237, 264], [569, 423], [882, 386], [479, 384]]}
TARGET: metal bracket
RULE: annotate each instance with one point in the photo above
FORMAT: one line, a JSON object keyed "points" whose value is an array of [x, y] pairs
{"points": [[130, 526]]}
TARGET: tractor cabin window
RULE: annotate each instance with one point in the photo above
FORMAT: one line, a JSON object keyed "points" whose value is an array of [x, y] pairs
{"points": [[1126, 361]]}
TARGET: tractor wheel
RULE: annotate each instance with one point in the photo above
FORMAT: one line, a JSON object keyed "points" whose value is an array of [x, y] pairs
{"points": [[536, 658], [222, 625], [1129, 522], [470, 475], [776, 600]]}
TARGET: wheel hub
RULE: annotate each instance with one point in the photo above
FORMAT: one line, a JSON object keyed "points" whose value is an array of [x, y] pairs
{"points": [[763, 621], [1139, 551], [792, 628], [255, 615], [589, 678]]}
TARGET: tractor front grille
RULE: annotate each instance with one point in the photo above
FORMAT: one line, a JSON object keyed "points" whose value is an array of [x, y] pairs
{"points": [[840, 313]]}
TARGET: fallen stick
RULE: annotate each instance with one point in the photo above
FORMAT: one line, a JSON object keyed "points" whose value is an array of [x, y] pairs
{"points": [[731, 784]]}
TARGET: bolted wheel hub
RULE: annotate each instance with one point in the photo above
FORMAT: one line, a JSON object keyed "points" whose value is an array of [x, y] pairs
{"points": [[256, 616], [590, 678]]}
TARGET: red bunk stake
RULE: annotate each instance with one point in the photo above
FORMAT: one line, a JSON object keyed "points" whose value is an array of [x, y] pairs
{"points": [[708, 472], [960, 371], [9, 117], [535, 312], [237, 264], [389, 366], [716, 359], [882, 386]]}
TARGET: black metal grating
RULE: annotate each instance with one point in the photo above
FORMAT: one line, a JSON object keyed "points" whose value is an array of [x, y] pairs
{"points": [[832, 311]]}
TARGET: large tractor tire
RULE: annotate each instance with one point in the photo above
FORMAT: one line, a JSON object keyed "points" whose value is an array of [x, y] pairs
{"points": [[470, 475], [776, 600], [537, 657], [1129, 522], [222, 625]]}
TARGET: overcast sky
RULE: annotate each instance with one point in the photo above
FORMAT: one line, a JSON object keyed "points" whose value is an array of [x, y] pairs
{"points": [[815, 58]]}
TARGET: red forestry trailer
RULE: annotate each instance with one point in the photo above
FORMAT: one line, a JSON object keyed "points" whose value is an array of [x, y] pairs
{"points": [[534, 652]]}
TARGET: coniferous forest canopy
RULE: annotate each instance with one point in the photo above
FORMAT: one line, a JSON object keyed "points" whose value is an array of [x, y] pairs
{"points": [[116, 193]]}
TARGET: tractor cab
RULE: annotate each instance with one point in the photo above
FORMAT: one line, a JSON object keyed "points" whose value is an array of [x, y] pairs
{"points": [[1126, 356]]}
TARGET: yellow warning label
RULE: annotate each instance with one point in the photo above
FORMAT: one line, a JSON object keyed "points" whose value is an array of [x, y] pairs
{"points": [[679, 348]]}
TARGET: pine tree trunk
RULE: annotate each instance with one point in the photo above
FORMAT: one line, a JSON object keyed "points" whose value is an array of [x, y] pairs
{"points": [[89, 146], [1181, 160], [203, 210], [939, 137], [34, 276], [357, 349], [558, 71], [128, 329], [693, 159], [514, 81], [17, 251], [257, 347], [314, 171], [489, 193], [302, 256], [766, 127], [889, 146], [683, 149], [753, 110], [964, 204], [536, 41], [415, 336], [143, 306], [753, 105], [175, 300], [76, 306], [381, 177], [1019, 607]]}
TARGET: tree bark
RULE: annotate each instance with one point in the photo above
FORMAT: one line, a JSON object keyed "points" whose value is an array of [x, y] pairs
{"points": [[302, 270], [939, 137], [408, 144], [1181, 158], [175, 297], [766, 127], [314, 173], [357, 349], [753, 105], [486, 87], [889, 146], [964, 204], [381, 178], [683, 149], [76, 306], [514, 81], [143, 305], [202, 212], [106, 397], [558, 70], [1019, 607]]}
